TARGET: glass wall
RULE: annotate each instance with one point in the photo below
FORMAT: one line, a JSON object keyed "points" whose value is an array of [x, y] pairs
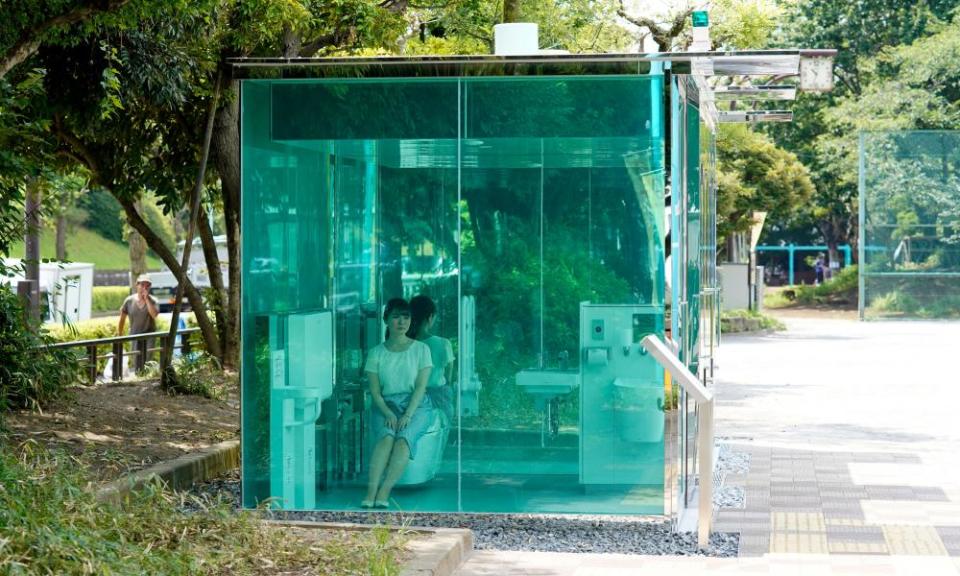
{"points": [[530, 210], [694, 305], [909, 224]]}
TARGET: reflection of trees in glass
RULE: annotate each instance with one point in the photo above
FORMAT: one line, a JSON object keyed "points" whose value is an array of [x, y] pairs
{"points": [[597, 246], [912, 203], [911, 223]]}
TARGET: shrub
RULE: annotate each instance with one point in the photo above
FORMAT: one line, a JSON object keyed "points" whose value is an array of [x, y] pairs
{"points": [[109, 298], [895, 302], [50, 523], [31, 374], [201, 375], [841, 289], [765, 322], [86, 330], [96, 328]]}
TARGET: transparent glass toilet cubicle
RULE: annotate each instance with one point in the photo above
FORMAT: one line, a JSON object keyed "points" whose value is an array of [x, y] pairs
{"points": [[531, 210]]}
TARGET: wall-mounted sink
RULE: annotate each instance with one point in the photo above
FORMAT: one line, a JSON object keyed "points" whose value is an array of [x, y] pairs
{"points": [[545, 385]]}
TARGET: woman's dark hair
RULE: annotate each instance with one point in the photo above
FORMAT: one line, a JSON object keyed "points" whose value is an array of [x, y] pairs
{"points": [[395, 305], [421, 309]]}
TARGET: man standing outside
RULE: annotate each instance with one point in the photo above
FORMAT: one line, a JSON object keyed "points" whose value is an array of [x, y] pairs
{"points": [[142, 310]]}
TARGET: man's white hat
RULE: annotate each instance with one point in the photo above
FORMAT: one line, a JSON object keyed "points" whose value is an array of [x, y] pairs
{"points": [[144, 278]]}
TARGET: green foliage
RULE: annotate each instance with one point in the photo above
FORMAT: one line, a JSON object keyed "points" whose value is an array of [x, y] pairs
{"points": [[201, 375], [103, 214], [161, 224], [31, 374], [52, 523], [867, 95], [84, 245], [109, 298], [731, 321], [580, 26], [895, 302], [105, 327], [743, 24], [24, 149], [754, 174], [840, 290]]}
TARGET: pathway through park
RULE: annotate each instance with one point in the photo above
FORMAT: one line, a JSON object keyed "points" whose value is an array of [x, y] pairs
{"points": [[853, 432]]}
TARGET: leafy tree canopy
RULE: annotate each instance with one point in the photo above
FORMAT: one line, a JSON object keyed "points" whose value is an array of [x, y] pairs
{"points": [[754, 174]]}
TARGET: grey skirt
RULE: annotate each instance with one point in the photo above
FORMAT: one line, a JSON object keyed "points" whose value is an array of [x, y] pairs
{"points": [[418, 426]]}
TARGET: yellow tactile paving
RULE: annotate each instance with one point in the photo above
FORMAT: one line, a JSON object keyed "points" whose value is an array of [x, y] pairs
{"points": [[913, 540], [845, 522], [797, 521], [800, 542]]}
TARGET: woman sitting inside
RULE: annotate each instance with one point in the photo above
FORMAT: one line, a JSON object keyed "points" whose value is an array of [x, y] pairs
{"points": [[439, 387], [398, 371]]}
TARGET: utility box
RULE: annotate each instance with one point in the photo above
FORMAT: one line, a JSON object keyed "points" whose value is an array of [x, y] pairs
{"points": [[734, 286], [66, 290]]}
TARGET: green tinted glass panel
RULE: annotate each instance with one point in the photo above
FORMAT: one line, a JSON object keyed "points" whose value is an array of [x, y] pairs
{"points": [[693, 234], [910, 224], [531, 211]]}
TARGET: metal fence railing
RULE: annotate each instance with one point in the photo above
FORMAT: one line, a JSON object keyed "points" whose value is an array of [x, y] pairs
{"points": [[142, 348]]}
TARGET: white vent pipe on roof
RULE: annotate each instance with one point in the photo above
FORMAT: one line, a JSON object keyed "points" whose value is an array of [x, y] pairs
{"points": [[516, 39]]}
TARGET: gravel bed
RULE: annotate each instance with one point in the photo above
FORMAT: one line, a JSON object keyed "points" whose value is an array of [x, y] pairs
{"points": [[528, 532], [729, 462], [732, 462], [728, 497]]}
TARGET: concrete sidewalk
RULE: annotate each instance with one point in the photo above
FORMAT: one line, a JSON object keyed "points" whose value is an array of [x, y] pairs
{"points": [[853, 433], [500, 563], [853, 438]]}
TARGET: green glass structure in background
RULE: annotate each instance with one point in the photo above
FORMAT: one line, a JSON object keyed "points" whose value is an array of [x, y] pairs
{"points": [[909, 224], [531, 209]]}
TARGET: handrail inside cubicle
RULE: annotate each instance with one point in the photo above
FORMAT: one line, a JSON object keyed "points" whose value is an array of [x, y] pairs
{"points": [[667, 358]]}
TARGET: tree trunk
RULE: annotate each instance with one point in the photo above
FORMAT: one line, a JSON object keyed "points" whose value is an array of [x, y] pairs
{"points": [[168, 377], [31, 243], [511, 11], [833, 253], [193, 295], [212, 259], [61, 236], [138, 252], [226, 155]]}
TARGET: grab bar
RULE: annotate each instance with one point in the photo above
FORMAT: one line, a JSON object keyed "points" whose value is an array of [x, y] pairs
{"points": [[704, 397]]}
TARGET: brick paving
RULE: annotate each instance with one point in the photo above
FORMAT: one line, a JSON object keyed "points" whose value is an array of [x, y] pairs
{"points": [[853, 456], [853, 433]]}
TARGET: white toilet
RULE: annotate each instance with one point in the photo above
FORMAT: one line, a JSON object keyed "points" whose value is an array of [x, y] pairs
{"points": [[429, 452]]}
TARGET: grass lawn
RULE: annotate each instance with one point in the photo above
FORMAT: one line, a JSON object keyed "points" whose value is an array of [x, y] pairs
{"points": [[84, 245]]}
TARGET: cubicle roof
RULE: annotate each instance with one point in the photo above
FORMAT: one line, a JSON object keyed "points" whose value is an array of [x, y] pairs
{"points": [[776, 64], [745, 63]]}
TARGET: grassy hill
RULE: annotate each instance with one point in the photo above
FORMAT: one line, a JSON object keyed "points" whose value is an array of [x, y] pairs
{"points": [[84, 245]]}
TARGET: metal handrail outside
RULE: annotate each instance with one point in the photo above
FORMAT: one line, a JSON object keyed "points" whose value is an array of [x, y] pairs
{"points": [[704, 397]]}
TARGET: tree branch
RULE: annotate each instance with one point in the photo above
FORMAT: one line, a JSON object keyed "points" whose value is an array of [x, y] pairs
{"points": [[77, 149], [31, 38], [663, 37]]}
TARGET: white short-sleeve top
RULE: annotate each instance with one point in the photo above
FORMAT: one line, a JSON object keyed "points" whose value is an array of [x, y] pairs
{"points": [[442, 353], [398, 370]]}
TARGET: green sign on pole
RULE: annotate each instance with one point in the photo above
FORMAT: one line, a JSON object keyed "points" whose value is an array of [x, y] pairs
{"points": [[700, 19]]}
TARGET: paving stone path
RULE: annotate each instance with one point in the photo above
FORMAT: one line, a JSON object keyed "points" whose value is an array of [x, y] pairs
{"points": [[853, 434]]}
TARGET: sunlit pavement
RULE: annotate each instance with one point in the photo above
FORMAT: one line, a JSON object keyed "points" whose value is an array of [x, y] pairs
{"points": [[854, 438]]}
